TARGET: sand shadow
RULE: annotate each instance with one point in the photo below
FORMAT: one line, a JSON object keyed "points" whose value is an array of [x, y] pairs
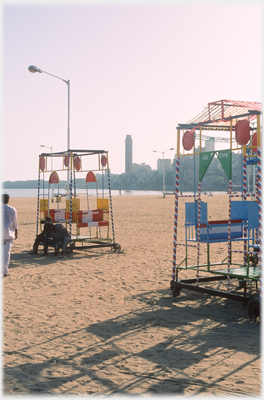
{"points": [[198, 330], [24, 257]]}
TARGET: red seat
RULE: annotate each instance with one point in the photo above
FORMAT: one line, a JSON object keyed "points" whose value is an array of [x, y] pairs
{"points": [[90, 218]]}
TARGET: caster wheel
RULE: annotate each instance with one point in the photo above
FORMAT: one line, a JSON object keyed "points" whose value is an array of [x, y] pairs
{"points": [[117, 247], [253, 308], [254, 260]]}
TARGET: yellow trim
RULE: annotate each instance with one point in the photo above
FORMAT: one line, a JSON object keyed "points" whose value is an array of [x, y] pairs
{"points": [[189, 154], [178, 141], [252, 155], [107, 160]]}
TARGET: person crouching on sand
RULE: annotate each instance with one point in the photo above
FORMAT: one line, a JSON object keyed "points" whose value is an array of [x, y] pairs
{"points": [[60, 236], [44, 239], [9, 230]]}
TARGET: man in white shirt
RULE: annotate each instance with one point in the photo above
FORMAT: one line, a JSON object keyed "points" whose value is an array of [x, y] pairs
{"points": [[9, 230]]}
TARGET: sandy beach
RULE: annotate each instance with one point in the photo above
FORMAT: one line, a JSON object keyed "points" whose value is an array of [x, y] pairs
{"points": [[105, 323]]}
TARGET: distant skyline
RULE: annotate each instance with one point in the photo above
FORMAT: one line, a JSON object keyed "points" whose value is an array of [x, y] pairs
{"points": [[128, 154], [135, 68]]}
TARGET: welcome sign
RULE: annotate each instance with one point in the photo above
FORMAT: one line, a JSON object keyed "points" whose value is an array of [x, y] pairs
{"points": [[225, 158]]}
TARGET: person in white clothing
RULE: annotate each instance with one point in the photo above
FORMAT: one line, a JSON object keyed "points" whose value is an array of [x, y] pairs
{"points": [[9, 230]]}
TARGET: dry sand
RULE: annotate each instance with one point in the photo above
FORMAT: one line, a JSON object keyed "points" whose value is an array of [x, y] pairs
{"points": [[106, 323]]}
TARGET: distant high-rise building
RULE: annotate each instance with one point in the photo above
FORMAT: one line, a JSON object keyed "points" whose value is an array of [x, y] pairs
{"points": [[210, 144], [167, 165], [128, 157]]}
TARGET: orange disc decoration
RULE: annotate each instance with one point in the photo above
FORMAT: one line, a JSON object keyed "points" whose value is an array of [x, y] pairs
{"points": [[188, 140], [66, 160], [255, 142], [103, 161], [42, 163], [77, 163], [54, 177], [242, 131], [90, 177]]}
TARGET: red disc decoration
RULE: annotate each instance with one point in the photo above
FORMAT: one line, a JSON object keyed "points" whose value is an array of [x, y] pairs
{"points": [[188, 140], [90, 177], [255, 142], [54, 177], [103, 161], [66, 160], [77, 163], [42, 163], [242, 132]]}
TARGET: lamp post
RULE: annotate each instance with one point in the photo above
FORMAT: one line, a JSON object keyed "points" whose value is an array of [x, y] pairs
{"points": [[50, 147], [34, 69], [162, 152]]}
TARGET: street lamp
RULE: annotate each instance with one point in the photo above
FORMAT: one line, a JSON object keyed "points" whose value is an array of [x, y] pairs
{"points": [[50, 147], [162, 152], [34, 69]]}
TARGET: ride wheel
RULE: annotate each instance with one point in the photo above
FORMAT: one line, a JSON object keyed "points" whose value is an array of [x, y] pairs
{"points": [[253, 259], [253, 308], [117, 247]]}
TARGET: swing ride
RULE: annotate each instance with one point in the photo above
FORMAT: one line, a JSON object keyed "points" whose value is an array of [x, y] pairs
{"points": [[90, 225], [241, 232]]}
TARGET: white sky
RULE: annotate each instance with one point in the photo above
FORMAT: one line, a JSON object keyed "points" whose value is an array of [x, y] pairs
{"points": [[135, 67]]}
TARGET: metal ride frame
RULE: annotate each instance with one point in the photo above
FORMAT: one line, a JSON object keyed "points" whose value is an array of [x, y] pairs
{"points": [[95, 220], [244, 218]]}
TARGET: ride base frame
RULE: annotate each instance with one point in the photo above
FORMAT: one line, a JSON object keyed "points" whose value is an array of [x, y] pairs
{"points": [[88, 228], [242, 121]]}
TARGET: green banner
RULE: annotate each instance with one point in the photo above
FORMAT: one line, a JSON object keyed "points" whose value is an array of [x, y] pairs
{"points": [[205, 160], [225, 158]]}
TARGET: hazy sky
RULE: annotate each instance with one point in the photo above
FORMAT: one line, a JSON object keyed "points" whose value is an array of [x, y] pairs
{"points": [[135, 67]]}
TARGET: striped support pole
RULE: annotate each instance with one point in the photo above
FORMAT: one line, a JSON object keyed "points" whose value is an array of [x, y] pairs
{"points": [[70, 204], [244, 199], [187, 195], [111, 205], [260, 218], [186, 245], [198, 233], [242, 195], [87, 196], [257, 189], [242, 252], [244, 178], [74, 180], [96, 186], [256, 235], [177, 177], [38, 203], [48, 198], [58, 202], [258, 196], [229, 237]]}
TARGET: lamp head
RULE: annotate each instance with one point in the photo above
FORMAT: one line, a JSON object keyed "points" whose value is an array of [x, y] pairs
{"points": [[34, 69]]}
